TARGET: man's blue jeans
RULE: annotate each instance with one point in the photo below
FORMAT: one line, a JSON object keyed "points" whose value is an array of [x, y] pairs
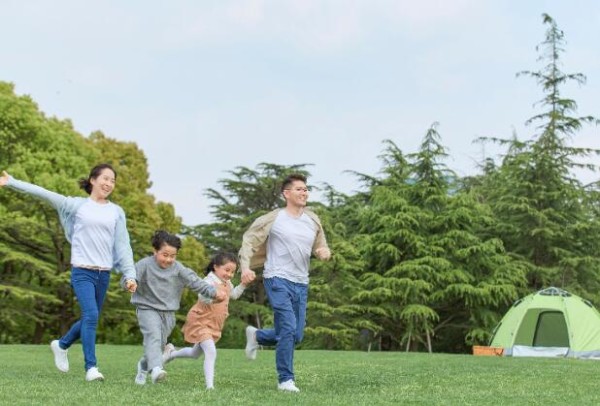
{"points": [[90, 288], [288, 300]]}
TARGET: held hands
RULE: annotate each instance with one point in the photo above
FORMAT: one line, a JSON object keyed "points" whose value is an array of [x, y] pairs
{"points": [[4, 179], [131, 285], [323, 253], [248, 276]]}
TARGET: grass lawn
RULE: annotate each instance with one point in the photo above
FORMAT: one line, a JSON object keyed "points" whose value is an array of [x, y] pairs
{"points": [[28, 377]]}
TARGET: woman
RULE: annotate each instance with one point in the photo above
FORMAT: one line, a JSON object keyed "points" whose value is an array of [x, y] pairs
{"points": [[97, 231]]}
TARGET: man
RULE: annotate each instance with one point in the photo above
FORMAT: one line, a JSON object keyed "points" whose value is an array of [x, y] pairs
{"points": [[283, 241]]}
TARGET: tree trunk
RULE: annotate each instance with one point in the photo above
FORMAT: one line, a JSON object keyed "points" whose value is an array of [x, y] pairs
{"points": [[65, 314], [38, 333], [428, 341]]}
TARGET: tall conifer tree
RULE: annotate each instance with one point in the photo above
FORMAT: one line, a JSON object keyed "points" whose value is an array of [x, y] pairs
{"points": [[543, 208]]}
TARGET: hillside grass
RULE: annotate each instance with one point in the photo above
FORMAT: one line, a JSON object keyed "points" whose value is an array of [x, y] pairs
{"points": [[28, 377]]}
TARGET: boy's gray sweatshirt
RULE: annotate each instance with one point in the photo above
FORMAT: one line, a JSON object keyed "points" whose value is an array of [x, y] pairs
{"points": [[161, 289]]}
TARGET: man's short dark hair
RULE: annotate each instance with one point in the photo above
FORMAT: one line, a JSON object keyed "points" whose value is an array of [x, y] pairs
{"points": [[291, 178]]}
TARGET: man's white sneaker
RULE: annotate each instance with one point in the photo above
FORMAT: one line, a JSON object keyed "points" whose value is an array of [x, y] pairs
{"points": [[158, 374], [60, 357], [251, 343], [93, 374], [288, 386], [142, 375], [169, 348]]}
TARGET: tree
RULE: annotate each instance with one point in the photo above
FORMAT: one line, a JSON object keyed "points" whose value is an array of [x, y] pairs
{"points": [[430, 270], [36, 301], [334, 321], [34, 253], [543, 208]]}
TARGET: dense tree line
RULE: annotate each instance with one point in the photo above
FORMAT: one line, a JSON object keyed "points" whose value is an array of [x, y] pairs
{"points": [[423, 260]]}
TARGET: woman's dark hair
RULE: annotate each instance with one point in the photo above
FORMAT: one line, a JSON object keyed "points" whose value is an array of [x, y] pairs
{"points": [[161, 238], [86, 184], [221, 258], [287, 182]]}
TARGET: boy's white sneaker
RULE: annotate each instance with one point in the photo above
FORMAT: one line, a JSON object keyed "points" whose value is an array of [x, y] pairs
{"points": [[288, 386], [60, 357], [93, 374], [158, 374], [166, 358], [251, 343], [142, 375]]}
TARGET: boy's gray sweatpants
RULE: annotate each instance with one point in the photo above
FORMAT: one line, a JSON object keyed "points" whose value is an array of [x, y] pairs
{"points": [[156, 326]]}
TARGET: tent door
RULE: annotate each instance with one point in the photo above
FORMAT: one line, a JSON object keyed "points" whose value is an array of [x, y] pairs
{"points": [[551, 330]]}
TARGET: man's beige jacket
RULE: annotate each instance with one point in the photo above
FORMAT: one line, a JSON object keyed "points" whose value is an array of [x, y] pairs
{"points": [[253, 253]]}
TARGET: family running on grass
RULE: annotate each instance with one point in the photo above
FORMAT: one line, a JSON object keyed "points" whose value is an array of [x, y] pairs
{"points": [[281, 241]]}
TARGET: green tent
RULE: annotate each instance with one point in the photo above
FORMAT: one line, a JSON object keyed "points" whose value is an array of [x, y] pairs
{"points": [[548, 323]]}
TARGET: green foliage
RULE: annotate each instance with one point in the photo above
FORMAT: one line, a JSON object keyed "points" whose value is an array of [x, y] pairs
{"points": [[36, 299], [333, 321], [47, 152], [429, 265], [545, 214]]}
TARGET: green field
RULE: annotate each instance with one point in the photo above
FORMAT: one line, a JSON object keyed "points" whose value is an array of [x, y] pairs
{"points": [[28, 377]]}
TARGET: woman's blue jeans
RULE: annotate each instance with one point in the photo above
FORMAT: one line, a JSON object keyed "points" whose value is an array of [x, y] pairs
{"points": [[288, 300], [90, 288]]}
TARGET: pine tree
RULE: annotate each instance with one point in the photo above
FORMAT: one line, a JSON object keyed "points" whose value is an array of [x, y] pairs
{"points": [[334, 321], [543, 208], [432, 274]]}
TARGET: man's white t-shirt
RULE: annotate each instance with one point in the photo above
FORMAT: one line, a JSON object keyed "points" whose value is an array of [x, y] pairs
{"points": [[289, 247]]}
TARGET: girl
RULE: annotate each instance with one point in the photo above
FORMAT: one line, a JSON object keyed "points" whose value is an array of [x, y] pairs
{"points": [[161, 279], [97, 231], [205, 320]]}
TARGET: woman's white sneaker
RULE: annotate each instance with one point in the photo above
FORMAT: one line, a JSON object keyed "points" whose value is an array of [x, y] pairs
{"points": [[93, 374], [60, 356], [288, 386]]}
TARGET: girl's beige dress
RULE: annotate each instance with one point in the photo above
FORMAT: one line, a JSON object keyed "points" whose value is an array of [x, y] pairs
{"points": [[205, 320]]}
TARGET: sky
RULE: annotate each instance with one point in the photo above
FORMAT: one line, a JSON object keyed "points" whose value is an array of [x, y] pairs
{"points": [[204, 87]]}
